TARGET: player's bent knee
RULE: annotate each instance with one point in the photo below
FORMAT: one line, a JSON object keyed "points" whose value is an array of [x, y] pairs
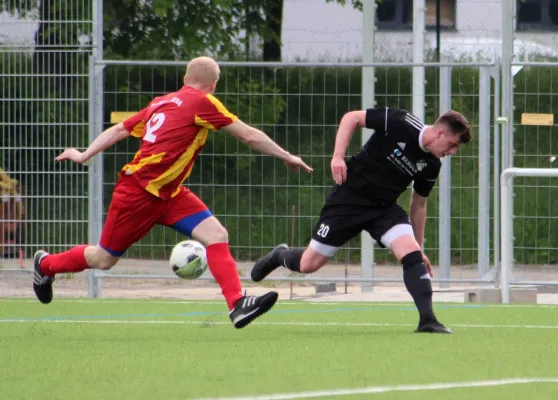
{"points": [[106, 265], [221, 235], [404, 245], [312, 261], [210, 231], [99, 258]]}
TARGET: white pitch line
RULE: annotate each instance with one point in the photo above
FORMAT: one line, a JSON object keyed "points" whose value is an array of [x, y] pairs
{"points": [[385, 389], [294, 323], [123, 301], [283, 302], [286, 302], [114, 322], [183, 322]]}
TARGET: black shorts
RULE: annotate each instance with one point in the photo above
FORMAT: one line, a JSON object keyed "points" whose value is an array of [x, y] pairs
{"points": [[346, 214]]}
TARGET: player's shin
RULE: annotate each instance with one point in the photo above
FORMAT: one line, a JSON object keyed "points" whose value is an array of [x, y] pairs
{"points": [[417, 282], [72, 260], [290, 258], [223, 268]]}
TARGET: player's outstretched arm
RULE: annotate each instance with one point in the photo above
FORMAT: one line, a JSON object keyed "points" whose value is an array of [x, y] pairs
{"points": [[106, 139], [349, 123], [417, 215], [259, 141]]}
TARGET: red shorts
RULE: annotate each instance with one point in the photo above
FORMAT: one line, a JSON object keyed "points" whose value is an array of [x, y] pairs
{"points": [[134, 211]]}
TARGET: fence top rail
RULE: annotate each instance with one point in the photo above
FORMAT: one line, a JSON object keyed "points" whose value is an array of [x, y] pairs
{"points": [[536, 64], [527, 172], [160, 63]]}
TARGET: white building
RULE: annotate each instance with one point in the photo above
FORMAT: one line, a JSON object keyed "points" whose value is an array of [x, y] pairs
{"points": [[315, 30]]}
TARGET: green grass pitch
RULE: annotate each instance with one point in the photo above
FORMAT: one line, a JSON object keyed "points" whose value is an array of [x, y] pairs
{"points": [[150, 349]]}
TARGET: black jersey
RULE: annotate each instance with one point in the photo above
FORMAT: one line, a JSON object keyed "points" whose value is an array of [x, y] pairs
{"points": [[392, 158]]}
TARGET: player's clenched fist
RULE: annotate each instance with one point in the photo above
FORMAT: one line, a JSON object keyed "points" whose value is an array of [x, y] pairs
{"points": [[338, 170]]}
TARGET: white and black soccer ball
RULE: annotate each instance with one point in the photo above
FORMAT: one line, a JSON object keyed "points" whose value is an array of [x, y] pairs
{"points": [[188, 259]]}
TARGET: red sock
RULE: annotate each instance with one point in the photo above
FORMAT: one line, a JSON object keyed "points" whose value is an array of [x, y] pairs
{"points": [[223, 268], [72, 260]]}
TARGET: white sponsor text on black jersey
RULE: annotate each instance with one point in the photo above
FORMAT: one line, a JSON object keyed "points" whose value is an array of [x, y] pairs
{"points": [[392, 158]]}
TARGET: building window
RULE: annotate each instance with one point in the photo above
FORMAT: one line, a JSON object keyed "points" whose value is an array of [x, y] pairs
{"points": [[398, 14], [539, 15]]}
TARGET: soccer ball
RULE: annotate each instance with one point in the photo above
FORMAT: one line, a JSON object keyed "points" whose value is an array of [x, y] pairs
{"points": [[188, 259]]}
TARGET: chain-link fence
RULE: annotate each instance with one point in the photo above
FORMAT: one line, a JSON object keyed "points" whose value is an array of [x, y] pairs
{"points": [[48, 104], [44, 75], [535, 146], [44, 52], [258, 200]]}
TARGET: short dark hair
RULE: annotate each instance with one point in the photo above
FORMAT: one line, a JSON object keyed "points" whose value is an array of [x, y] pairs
{"points": [[457, 124]]}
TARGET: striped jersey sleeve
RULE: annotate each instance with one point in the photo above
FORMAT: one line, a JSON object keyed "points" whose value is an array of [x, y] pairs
{"points": [[213, 115], [377, 119], [414, 121], [136, 123]]}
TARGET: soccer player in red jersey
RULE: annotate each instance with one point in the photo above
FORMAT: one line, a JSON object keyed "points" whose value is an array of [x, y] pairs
{"points": [[149, 191]]}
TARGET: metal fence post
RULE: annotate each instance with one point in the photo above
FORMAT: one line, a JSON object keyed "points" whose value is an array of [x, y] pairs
{"points": [[92, 281], [95, 128], [484, 173], [497, 129], [507, 241], [508, 23], [368, 101], [444, 244], [419, 11], [95, 177]]}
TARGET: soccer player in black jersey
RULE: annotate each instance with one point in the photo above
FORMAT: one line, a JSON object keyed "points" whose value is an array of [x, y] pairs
{"points": [[401, 150]]}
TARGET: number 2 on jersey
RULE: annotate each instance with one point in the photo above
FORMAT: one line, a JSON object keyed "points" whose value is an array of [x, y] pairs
{"points": [[154, 123]]}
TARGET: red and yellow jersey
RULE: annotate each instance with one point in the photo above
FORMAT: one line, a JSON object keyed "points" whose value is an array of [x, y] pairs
{"points": [[174, 130]]}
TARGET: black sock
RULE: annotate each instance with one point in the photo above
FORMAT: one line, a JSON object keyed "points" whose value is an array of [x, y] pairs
{"points": [[417, 282], [290, 258]]}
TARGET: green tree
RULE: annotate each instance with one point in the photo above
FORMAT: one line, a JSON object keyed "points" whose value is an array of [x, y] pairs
{"points": [[171, 30]]}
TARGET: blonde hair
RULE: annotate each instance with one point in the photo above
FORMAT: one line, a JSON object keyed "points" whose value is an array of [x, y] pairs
{"points": [[8, 188], [202, 71]]}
